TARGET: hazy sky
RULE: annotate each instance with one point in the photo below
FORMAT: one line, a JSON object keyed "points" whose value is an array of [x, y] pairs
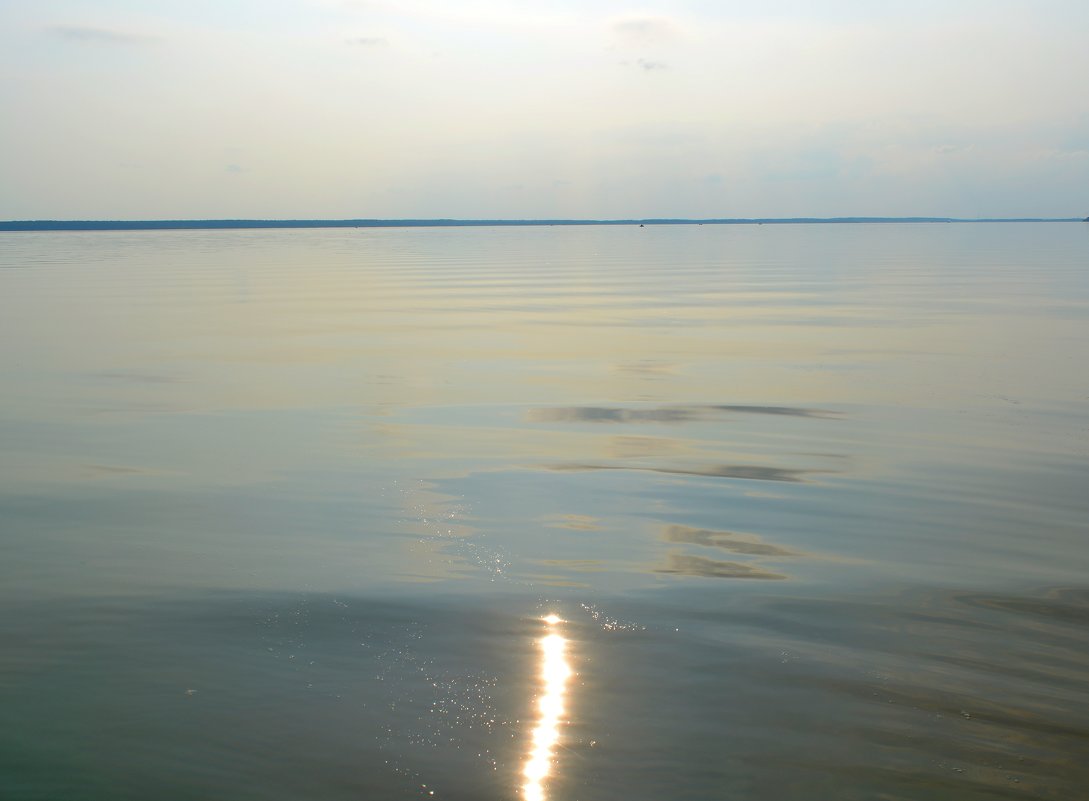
{"points": [[442, 108]]}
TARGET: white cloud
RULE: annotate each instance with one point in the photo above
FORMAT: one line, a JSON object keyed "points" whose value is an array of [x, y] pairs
{"points": [[368, 41], [92, 34], [645, 30], [919, 111]]}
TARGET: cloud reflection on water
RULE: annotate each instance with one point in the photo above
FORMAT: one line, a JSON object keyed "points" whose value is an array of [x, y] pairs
{"points": [[662, 414], [732, 541], [688, 565], [747, 471]]}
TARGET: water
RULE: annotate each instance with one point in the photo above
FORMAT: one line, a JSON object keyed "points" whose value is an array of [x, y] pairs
{"points": [[698, 512]]}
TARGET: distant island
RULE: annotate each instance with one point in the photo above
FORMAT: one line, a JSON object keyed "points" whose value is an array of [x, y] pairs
{"points": [[180, 225]]}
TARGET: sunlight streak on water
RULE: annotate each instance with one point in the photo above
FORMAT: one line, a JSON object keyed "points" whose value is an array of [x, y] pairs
{"points": [[555, 671]]}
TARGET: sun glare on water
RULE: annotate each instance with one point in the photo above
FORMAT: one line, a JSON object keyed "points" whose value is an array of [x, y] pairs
{"points": [[554, 674]]}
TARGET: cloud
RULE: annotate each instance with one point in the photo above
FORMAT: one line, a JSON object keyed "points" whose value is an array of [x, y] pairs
{"points": [[351, 5], [87, 33], [478, 14], [1065, 155], [644, 30], [949, 148], [368, 41]]}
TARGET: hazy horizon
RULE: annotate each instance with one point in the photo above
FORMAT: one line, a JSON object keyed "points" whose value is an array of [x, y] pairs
{"points": [[280, 223], [338, 109]]}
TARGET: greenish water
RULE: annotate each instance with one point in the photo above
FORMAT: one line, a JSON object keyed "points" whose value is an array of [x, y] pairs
{"points": [[283, 513]]}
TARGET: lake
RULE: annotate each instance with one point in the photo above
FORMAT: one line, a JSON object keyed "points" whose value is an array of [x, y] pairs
{"points": [[571, 513]]}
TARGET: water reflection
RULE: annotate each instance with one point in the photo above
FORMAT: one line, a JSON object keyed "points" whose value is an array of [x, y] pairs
{"points": [[662, 414], [572, 522], [748, 544], [701, 566], [643, 447], [555, 671], [751, 472], [358, 434]]}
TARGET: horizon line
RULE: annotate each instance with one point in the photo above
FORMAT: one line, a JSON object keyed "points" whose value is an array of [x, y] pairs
{"points": [[440, 222]]}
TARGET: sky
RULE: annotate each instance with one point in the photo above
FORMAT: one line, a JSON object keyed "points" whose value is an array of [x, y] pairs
{"points": [[151, 109]]}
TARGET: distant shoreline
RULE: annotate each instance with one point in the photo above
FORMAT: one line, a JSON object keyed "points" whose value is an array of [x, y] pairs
{"points": [[184, 225]]}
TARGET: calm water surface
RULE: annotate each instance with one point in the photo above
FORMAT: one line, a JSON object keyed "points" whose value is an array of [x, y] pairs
{"points": [[698, 512]]}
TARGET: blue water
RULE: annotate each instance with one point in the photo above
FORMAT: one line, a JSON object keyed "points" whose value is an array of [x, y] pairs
{"points": [[285, 514]]}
